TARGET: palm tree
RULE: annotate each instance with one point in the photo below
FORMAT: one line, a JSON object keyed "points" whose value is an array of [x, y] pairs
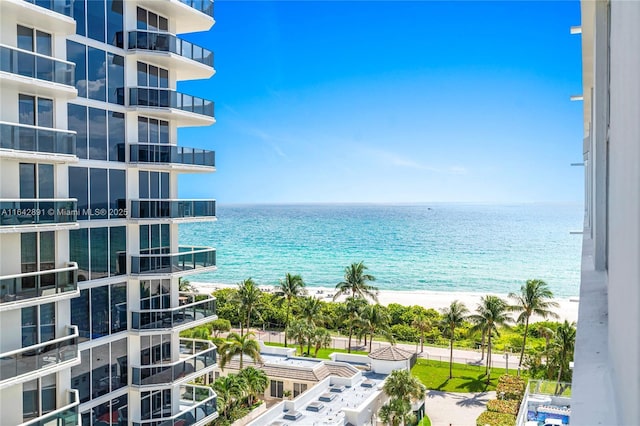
{"points": [[534, 298], [227, 389], [422, 324], [237, 344], [402, 388], [355, 283], [391, 412], [564, 345], [291, 287], [185, 286], [452, 318], [352, 315], [548, 334], [299, 330], [490, 314], [256, 382], [376, 319], [311, 310], [321, 338], [247, 298]]}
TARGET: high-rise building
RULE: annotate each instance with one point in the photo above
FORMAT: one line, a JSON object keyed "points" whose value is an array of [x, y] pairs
{"points": [[90, 266], [606, 378]]}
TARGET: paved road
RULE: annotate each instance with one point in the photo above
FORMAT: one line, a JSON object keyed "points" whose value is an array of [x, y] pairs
{"points": [[456, 409], [430, 352]]}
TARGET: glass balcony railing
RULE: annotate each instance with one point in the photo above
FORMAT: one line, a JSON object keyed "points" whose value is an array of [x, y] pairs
{"points": [[172, 209], [154, 319], [64, 416], [37, 139], [166, 98], [197, 404], [64, 7], [188, 259], [196, 356], [168, 154], [167, 42], [204, 6], [35, 65], [41, 356], [31, 285], [37, 211]]}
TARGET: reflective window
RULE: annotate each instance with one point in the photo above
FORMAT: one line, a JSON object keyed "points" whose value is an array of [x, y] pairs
{"points": [[77, 53], [97, 73], [116, 78], [79, 252], [153, 185], [38, 324], [100, 371], [114, 22], [155, 349], [99, 253], [96, 20], [118, 249], [151, 130], [27, 180], [97, 134], [152, 76], [119, 307], [80, 315], [99, 312], [155, 404], [277, 388], [116, 136], [77, 121], [38, 397], [155, 294], [106, 129], [40, 173], [37, 252], [103, 370], [27, 109], [98, 193], [79, 188], [79, 10], [25, 38], [150, 21], [155, 239]]}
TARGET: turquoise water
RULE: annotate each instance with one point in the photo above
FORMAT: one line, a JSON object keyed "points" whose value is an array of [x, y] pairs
{"points": [[441, 247]]}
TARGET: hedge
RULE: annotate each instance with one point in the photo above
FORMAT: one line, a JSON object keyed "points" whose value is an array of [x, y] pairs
{"points": [[504, 406], [495, 419], [510, 387]]}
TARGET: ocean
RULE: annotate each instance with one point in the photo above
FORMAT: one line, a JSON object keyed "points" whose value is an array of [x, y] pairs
{"points": [[484, 248]]}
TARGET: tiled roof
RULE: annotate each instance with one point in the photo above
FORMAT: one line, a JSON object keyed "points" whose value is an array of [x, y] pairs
{"points": [[390, 353], [316, 374]]}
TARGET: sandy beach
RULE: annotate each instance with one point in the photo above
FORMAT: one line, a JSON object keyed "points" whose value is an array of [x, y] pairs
{"points": [[568, 308]]}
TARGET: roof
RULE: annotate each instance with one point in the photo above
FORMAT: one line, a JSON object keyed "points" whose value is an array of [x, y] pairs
{"points": [[295, 368], [391, 353]]}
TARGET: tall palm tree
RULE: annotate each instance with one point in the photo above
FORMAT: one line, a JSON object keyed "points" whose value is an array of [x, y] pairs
{"points": [[299, 331], [291, 287], [535, 298], [452, 318], [376, 319], [355, 283], [401, 386], [564, 345], [351, 313], [321, 338], [247, 298], [422, 324], [256, 382], [237, 344], [228, 388], [548, 334], [491, 313], [311, 310]]}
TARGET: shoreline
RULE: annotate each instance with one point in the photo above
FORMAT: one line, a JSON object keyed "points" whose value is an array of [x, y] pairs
{"points": [[567, 309]]}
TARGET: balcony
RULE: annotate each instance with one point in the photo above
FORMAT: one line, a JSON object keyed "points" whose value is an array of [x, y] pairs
{"points": [[63, 416], [197, 357], [190, 61], [188, 15], [34, 142], [187, 260], [33, 71], [44, 286], [37, 214], [183, 210], [176, 157], [186, 109], [52, 16], [187, 315], [41, 359], [197, 407]]}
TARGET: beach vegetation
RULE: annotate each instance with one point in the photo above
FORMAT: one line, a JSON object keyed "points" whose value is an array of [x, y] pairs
{"points": [[423, 324], [351, 315], [221, 325], [239, 345], [238, 394], [355, 283], [453, 317], [247, 299], [535, 297], [375, 321], [290, 288]]}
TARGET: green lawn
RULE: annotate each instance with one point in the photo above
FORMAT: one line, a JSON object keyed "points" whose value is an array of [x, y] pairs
{"points": [[322, 353], [466, 378], [425, 421]]}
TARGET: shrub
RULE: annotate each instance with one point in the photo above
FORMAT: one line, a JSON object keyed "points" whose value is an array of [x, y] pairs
{"points": [[503, 406], [495, 419], [510, 387], [405, 332]]}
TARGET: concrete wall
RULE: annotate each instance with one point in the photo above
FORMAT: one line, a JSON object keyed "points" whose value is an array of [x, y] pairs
{"points": [[624, 208]]}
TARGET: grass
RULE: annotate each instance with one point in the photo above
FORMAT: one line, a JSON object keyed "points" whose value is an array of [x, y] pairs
{"points": [[322, 353], [466, 378], [425, 421]]}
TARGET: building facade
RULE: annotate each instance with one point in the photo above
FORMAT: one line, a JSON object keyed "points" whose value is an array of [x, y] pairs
{"points": [[606, 379], [90, 266]]}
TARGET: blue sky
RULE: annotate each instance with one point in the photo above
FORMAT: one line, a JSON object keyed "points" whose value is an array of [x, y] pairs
{"points": [[374, 101]]}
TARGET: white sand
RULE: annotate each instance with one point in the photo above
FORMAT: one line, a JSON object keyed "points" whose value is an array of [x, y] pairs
{"points": [[438, 300]]}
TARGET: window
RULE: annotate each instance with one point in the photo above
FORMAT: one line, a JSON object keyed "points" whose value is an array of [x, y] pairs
{"points": [[36, 180], [37, 252], [299, 388], [100, 252], [277, 388], [155, 404], [97, 72], [38, 397], [35, 111], [106, 130], [100, 311], [155, 349], [34, 41], [115, 407], [101, 193], [38, 324], [155, 239], [153, 185], [104, 17], [152, 76], [151, 130], [103, 369], [155, 294], [150, 21]]}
